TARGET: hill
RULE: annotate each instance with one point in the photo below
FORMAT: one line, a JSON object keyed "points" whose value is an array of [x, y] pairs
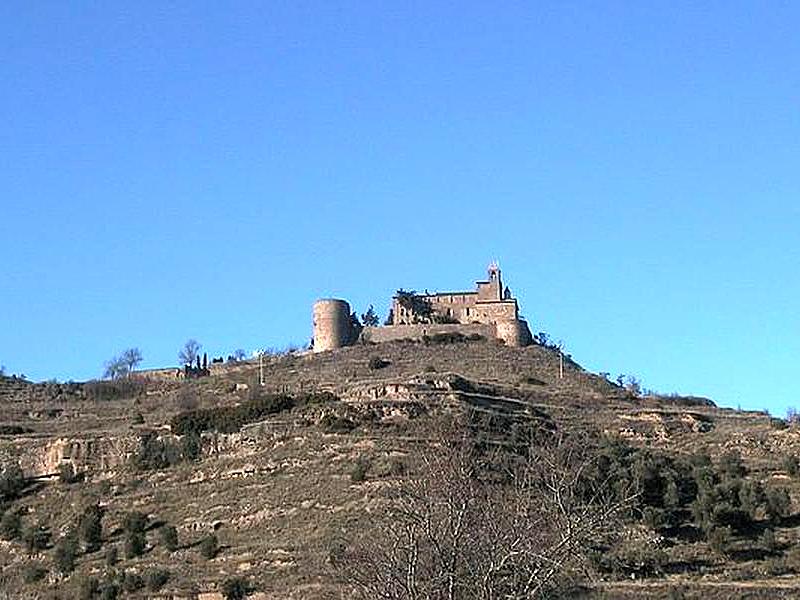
{"points": [[286, 474]]}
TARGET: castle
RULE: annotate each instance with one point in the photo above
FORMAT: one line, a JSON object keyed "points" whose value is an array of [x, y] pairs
{"points": [[489, 311]]}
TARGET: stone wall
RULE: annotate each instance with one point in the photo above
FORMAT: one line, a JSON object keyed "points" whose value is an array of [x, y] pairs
{"points": [[414, 332]]}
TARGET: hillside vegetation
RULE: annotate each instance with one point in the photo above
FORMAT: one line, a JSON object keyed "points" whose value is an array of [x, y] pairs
{"points": [[158, 487]]}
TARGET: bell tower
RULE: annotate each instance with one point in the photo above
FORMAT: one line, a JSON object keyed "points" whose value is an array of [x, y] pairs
{"points": [[495, 281]]}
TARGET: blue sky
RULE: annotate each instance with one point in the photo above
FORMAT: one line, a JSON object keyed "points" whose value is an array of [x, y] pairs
{"points": [[206, 170]]}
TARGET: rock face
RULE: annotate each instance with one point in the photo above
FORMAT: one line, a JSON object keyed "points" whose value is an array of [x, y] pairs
{"points": [[39, 458]]}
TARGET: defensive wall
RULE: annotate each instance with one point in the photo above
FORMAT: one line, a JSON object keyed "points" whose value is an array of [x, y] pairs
{"points": [[391, 333]]}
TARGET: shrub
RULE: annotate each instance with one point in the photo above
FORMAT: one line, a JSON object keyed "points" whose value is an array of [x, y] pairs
{"points": [[14, 430], [778, 423], [10, 525], [791, 465], [36, 538], [229, 419], [90, 527], [88, 588], [12, 482], [187, 398], [132, 582], [360, 470], [156, 579], [719, 539], [336, 424], [631, 559], [137, 418], [33, 572], [67, 474], [134, 544], [134, 522], [235, 588], [111, 556], [376, 362], [767, 541], [191, 446], [109, 591], [397, 466], [169, 537], [209, 546], [778, 503], [730, 465], [65, 552], [445, 338], [154, 454], [117, 389]]}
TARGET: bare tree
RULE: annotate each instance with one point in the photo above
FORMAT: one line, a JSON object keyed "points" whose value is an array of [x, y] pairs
{"points": [[485, 524], [189, 353], [123, 365], [132, 357]]}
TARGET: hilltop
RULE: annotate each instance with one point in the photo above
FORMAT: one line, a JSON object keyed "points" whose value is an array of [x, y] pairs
{"points": [[293, 470]]}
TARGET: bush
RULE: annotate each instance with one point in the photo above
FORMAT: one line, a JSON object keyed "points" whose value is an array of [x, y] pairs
{"points": [[778, 424], [445, 338], [67, 474], [88, 588], [109, 591], [111, 556], [10, 525], [65, 553], [12, 482], [154, 454], [767, 541], [134, 544], [36, 538], [778, 503], [336, 424], [137, 418], [132, 582], [134, 522], [191, 446], [187, 398], [156, 579], [100, 391], [169, 537], [791, 465], [360, 470], [376, 362], [209, 546], [235, 588], [730, 465], [719, 539], [229, 419], [90, 527], [33, 573]]}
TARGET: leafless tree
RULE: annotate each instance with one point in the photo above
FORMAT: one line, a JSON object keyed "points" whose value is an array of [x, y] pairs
{"points": [[188, 354], [485, 524], [123, 365]]}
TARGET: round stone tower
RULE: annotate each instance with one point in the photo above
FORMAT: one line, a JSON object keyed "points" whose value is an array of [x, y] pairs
{"points": [[332, 326], [514, 332]]}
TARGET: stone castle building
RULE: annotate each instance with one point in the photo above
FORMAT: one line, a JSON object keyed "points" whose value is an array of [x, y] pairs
{"points": [[490, 302], [489, 311]]}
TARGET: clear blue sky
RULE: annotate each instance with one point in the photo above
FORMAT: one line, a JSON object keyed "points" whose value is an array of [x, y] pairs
{"points": [[206, 170]]}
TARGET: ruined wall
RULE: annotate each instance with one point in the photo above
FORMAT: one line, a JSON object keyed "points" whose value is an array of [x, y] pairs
{"points": [[415, 332]]}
